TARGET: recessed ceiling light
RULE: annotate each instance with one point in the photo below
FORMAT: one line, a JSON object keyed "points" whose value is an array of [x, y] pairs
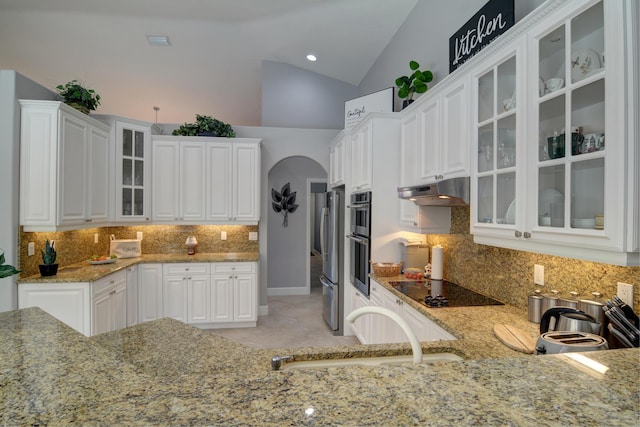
{"points": [[311, 57], [159, 40]]}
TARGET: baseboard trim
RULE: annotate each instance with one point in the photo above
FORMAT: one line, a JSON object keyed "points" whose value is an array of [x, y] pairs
{"points": [[302, 290]]}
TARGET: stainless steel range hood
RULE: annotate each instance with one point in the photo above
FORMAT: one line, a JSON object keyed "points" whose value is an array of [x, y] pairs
{"points": [[449, 192]]}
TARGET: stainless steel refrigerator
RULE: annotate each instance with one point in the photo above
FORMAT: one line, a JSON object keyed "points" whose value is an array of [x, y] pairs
{"points": [[332, 248]]}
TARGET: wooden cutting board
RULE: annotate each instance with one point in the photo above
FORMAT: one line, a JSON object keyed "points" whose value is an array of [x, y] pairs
{"points": [[514, 338]]}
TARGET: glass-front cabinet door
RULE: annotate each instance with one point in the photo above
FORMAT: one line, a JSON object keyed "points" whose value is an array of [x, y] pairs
{"points": [[132, 172], [497, 117], [574, 133]]}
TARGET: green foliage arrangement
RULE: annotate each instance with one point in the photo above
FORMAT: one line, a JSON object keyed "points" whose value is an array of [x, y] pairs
{"points": [[49, 254], [416, 83], [205, 126], [79, 97], [6, 270]]}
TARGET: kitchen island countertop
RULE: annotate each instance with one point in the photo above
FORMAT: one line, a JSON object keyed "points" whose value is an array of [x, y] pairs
{"points": [[167, 373]]}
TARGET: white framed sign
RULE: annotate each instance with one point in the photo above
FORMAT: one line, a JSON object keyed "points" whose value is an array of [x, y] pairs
{"points": [[377, 102]]}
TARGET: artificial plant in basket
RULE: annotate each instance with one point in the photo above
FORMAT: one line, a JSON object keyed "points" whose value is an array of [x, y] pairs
{"points": [[49, 255], [205, 126], [79, 97]]}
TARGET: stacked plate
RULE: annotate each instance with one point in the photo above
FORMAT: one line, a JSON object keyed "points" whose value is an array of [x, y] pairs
{"points": [[583, 223]]}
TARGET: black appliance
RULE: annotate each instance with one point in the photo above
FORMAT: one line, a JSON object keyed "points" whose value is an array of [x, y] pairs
{"points": [[441, 293], [359, 247]]}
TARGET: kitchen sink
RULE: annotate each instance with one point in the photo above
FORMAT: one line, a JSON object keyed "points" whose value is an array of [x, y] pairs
{"points": [[368, 361]]}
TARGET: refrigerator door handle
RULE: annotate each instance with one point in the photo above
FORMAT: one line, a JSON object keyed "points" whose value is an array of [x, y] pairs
{"points": [[323, 237]]}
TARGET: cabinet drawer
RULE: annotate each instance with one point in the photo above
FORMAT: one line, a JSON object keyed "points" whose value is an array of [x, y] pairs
{"points": [[104, 285], [232, 267], [187, 267]]}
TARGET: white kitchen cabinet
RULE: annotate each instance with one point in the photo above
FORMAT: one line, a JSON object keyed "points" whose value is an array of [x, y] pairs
{"points": [[131, 154], [234, 293], [390, 332], [337, 160], [64, 168], [68, 302], [233, 181], [361, 327], [178, 278], [547, 199], [109, 303], [178, 180], [362, 156], [132, 295], [149, 292]]}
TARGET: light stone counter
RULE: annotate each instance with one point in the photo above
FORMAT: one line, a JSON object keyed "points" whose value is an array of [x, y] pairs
{"points": [[168, 373], [85, 272]]}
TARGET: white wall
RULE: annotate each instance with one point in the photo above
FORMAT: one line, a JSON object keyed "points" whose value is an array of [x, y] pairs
{"points": [[287, 246], [424, 37], [297, 98], [278, 144], [13, 86]]}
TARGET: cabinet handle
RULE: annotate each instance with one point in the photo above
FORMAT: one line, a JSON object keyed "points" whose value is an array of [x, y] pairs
{"points": [[230, 277], [112, 292], [147, 219], [189, 277], [88, 220], [113, 281], [518, 233], [527, 235]]}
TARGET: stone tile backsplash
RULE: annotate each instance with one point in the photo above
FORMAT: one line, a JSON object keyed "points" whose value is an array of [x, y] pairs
{"points": [[78, 245], [508, 274]]}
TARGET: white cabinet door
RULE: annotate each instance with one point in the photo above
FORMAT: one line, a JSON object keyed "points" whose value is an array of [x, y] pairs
{"points": [[360, 327], [246, 182], [109, 303], [119, 307], [221, 297], [337, 159], [74, 153], [192, 181], [427, 154], [199, 299], [362, 157], [100, 178], [132, 295], [149, 292], [245, 298], [219, 181], [68, 302], [174, 297], [101, 313], [132, 172], [166, 181], [454, 148]]}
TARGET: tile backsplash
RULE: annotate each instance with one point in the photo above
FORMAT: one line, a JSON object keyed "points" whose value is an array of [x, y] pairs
{"points": [[78, 245], [508, 274]]}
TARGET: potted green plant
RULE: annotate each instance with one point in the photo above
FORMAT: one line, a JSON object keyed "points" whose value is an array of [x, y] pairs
{"points": [[48, 266], [205, 126], [415, 83], [6, 270], [79, 97]]}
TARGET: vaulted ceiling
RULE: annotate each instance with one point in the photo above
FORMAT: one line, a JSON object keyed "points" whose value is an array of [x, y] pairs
{"points": [[217, 48]]}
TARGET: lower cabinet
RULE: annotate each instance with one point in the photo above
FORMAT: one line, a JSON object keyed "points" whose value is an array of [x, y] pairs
{"points": [[109, 303], [385, 330], [234, 293], [132, 295], [149, 292], [361, 327]]}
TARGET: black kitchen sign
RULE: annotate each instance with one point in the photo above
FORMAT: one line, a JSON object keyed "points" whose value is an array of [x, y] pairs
{"points": [[493, 19]]}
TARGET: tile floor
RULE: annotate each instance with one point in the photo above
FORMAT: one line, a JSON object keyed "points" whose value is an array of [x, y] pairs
{"points": [[293, 321]]}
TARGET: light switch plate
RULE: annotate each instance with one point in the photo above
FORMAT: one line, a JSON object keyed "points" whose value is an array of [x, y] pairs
{"points": [[223, 235], [139, 235], [253, 235], [96, 238], [31, 248], [538, 274]]}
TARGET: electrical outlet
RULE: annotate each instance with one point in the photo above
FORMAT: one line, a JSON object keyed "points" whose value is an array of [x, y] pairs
{"points": [[31, 248], [96, 238], [253, 235], [139, 235], [223, 235], [538, 274], [625, 293]]}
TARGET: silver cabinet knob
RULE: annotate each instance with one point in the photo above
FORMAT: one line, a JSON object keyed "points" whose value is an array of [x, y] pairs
{"points": [[518, 233], [527, 235]]}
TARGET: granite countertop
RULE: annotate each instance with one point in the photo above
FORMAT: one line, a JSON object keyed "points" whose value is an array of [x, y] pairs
{"points": [[85, 272], [168, 373]]}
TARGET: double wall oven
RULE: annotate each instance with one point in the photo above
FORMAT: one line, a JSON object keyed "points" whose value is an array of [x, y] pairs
{"points": [[360, 236]]}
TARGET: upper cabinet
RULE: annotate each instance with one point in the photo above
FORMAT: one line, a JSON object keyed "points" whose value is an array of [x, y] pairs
{"points": [[131, 140], [64, 168], [202, 179], [337, 160], [553, 168], [361, 155]]}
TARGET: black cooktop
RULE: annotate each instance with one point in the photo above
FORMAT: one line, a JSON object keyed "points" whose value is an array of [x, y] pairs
{"points": [[440, 293]]}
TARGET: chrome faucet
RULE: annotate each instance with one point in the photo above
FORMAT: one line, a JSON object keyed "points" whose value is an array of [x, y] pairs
{"points": [[278, 361], [415, 344]]}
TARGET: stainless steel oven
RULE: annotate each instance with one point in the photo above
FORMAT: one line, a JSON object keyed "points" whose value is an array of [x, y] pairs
{"points": [[360, 251], [361, 213]]}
